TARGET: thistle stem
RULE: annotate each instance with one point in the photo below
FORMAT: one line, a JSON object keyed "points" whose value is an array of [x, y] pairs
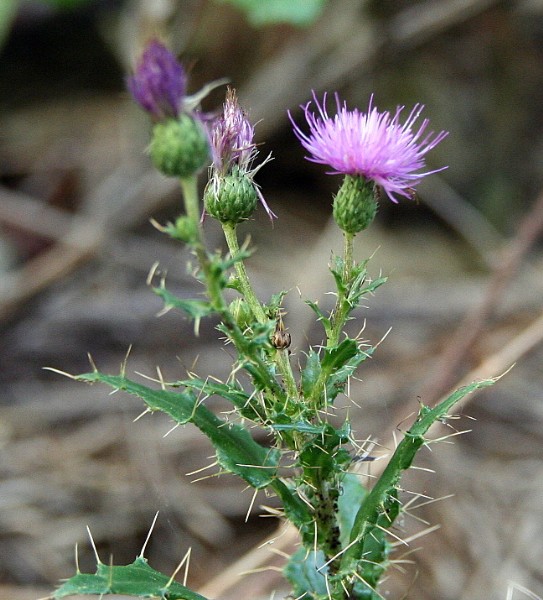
{"points": [[281, 357], [189, 187], [214, 291], [246, 287], [348, 243], [342, 304]]}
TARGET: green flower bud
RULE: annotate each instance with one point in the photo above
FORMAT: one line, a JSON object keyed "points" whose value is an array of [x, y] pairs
{"points": [[242, 313], [355, 205], [231, 198], [184, 230], [179, 147]]}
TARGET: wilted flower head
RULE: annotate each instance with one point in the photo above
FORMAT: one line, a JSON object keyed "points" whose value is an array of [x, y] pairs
{"points": [[159, 82], [232, 137], [233, 151], [373, 145]]}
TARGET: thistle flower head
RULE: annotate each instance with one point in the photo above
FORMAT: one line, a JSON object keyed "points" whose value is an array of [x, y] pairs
{"points": [[373, 145], [159, 82], [233, 151], [232, 137]]}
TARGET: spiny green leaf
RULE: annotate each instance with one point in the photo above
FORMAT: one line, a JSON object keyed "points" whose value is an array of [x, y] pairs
{"points": [[334, 358], [181, 406], [385, 489], [299, 426], [358, 290], [137, 579], [305, 573], [224, 264], [311, 372], [350, 500], [336, 382], [322, 317], [429, 416], [229, 391], [358, 285], [273, 306], [236, 450], [328, 379], [295, 509], [321, 456], [195, 309], [337, 269]]}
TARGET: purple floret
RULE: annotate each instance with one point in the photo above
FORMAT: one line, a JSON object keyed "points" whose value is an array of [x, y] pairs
{"points": [[159, 82], [373, 145]]}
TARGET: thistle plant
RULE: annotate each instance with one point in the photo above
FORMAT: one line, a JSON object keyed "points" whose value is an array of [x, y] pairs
{"points": [[308, 463]]}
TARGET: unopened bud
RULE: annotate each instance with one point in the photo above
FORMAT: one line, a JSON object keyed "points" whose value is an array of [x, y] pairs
{"points": [[241, 312], [355, 206], [179, 147], [231, 198]]}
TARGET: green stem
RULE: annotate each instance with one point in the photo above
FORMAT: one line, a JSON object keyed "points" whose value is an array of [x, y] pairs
{"points": [[247, 289], [189, 186], [342, 304], [281, 357], [192, 207], [348, 244]]}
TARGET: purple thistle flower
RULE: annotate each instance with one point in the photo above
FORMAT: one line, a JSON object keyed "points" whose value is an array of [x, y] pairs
{"points": [[373, 145], [159, 82], [233, 148], [232, 137]]}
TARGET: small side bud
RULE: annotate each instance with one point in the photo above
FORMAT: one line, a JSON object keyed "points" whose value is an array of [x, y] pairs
{"points": [[179, 147], [241, 312], [185, 230], [231, 198], [355, 205], [280, 338]]}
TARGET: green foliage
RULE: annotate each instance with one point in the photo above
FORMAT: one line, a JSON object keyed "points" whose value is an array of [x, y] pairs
{"points": [[348, 515], [231, 392], [351, 497], [307, 462], [306, 569], [195, 309], [137, 579], [352, 285], [236, 450], [381, 507], [306, 573], [268, 12]]}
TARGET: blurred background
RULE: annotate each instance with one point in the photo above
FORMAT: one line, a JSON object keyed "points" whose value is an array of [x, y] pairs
{"points": [[464, 297]]}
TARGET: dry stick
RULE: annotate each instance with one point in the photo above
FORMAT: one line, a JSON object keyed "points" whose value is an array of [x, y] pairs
{"points": [[284, 540], [448, 365]]}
